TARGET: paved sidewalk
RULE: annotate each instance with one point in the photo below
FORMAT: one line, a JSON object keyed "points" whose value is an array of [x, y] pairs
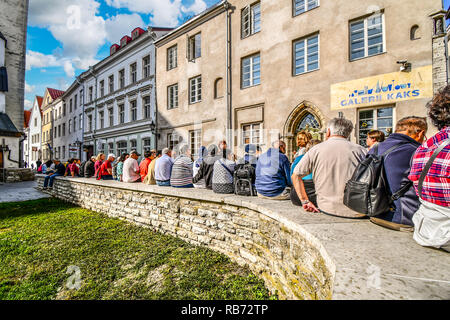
{"points": [[20, 191]]}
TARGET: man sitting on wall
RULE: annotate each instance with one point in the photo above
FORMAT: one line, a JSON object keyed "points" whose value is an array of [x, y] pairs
{"points": [[163, 168], [105, 170], [332, 164], [409, 135], [58, 171], [131, 168], [181, 176], [273, 179], [89, 168]]}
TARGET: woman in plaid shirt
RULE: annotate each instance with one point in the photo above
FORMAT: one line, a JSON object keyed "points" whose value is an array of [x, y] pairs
{"points": [[432, 220]]}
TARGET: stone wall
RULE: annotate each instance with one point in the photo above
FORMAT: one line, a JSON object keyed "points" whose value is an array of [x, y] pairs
{"points": [[16, 175], [289, 259]]}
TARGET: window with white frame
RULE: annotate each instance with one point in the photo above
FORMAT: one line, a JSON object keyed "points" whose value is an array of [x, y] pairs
{"points": [[111, 147], [133, 144], [111, 84], [367, 37], [195, 141], [146, 144], [194, 47], [252, 133], [75, 102], [75, 124], [121, 78], [301, 6], [122, 147], [121, 113], [146, 67], [172, 140], [111, 116], [375, 119], [251, 20], [81, 122], [91, 90], [133, 110], [147, 110], [133, 72], [195, 89], [251, 71], [102, 88], [172, 59], [101, 116], [90, 122], [172, 96], [306, 54]]}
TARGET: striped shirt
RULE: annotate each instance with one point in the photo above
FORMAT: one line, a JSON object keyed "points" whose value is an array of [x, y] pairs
{"points": [[436, 186], [181, 172]]}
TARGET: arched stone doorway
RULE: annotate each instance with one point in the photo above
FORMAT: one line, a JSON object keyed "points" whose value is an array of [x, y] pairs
{"points": [[305, 116]]}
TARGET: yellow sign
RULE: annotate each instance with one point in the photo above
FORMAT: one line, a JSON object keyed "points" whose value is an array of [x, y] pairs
{"points": [[383, 89]]}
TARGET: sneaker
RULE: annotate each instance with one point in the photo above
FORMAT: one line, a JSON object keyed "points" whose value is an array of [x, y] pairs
{"points": [[392, 225]]}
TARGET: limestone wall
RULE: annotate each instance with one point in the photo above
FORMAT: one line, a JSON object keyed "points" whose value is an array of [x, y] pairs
{"points": [[289, 259]]}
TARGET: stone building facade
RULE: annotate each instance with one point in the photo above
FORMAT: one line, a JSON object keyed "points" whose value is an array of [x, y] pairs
{"points": [[191, 81], [297, 64], [13, 33]]}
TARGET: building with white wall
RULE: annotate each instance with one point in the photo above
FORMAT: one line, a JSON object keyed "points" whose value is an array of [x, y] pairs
{"points": [[119, 96], [32, 151]]}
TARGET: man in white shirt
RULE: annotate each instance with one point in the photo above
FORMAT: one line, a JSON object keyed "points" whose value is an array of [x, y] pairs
{"points": [[131, 168]]}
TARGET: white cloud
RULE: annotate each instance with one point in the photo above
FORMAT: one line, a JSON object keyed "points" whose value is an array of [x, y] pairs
{"points": [[29, 88], [165, 12], [122, 24], [28, 104], [197, 7], [39, 60]]}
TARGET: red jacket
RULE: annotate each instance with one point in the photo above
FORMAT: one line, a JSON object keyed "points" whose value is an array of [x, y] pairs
{"points": [[143, 168]]}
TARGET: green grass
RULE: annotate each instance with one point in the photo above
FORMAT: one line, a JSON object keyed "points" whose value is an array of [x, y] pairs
{"points": [[40, 239]]}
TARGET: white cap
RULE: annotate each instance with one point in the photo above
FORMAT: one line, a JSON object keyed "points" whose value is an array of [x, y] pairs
{"points": [[111, 155]]}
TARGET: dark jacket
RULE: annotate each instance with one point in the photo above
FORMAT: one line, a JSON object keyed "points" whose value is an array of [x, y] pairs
{"points": [[60, 169], [89, 169], [397, 165], [207, 167]]}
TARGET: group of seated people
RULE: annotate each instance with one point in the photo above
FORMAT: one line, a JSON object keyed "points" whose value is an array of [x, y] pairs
{"points": [[317, 178]]}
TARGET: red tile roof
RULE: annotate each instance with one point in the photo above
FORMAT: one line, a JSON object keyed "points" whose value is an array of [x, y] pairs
{"points": [[54, 93], [39, 101], [26, 118]]}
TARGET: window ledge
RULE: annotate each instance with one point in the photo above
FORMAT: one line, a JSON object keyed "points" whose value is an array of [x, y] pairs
{"points": [[373, 55]]}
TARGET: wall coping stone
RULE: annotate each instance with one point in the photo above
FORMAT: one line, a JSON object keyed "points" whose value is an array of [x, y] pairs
{"points": [[368, 261]]}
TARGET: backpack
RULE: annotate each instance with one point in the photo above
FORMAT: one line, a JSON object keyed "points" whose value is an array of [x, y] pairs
{"points": [[244, 180], [368, 191], [81, 173], [39, 170]]}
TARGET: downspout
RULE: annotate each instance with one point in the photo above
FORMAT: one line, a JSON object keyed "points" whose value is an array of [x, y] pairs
{"points": [[91, 71], [230, 136], [21, 160], [155, 81], [82, 114]]}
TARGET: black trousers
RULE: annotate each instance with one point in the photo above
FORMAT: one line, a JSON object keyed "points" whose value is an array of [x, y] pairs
{"points": [[310, 191]]}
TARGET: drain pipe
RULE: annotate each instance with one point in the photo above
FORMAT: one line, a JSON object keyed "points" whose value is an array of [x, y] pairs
{"points": [[230, 136], [91, 71], [82, 114]]}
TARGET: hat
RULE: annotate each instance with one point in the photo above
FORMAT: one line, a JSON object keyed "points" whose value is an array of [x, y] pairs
{"points": [[111, 155], [135, 152]]}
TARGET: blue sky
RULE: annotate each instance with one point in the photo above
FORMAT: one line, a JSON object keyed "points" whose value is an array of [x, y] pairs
{"points": [[66, 36]]}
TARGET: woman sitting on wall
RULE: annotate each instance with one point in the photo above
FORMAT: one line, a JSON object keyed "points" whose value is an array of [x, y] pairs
{"points": [[98, 163]]}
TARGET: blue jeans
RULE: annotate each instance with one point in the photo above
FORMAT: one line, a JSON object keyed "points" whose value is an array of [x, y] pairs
{"points": [[51, 178], [163, 183], [186, 186], [107, 177]]}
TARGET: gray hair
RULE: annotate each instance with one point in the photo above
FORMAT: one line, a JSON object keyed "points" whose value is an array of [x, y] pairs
{"points": [[165, 151], [183, 149], [340, 127]]}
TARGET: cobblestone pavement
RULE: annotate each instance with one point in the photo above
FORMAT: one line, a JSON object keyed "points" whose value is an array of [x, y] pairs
{"points": [[20, 191]]}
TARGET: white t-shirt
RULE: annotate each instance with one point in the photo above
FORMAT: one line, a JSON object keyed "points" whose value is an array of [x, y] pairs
{"points": [[130, 170]]}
